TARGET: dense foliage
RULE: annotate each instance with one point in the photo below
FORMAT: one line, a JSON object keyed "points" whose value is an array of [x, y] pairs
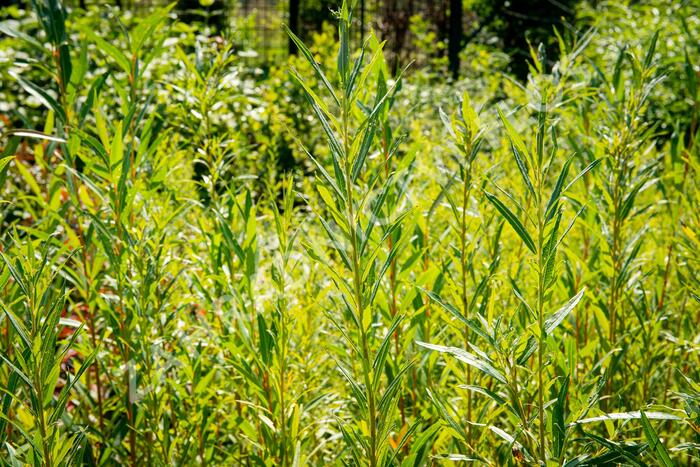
{"points": [[327, 262]]}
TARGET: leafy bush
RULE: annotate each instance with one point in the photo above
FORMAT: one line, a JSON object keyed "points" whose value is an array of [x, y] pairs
{"points": [[322, 262]]}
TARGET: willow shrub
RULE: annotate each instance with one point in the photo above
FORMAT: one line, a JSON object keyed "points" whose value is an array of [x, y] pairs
{"points": [[513, 280]]}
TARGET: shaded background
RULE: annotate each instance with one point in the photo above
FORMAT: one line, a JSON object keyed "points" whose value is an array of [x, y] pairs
{"points": [[255, 24]]}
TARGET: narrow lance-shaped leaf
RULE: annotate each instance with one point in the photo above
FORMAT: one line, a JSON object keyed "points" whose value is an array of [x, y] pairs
{"points": [[558, 424], [469, 359], [456, 313], [43, 97], [375, 60], [649, 57], [350, 86], [344, 50], [380, 103], [310, 58], [519, 151], [66, 68], [34, 134], [324, 173], [549, 254], [383, 351], [617, 453], [110, 50], [512, 220], [363, 151], [588, 168], [555, 319], [557, 191], [634, 415], [336, 148], [655, 443], [16, 370], [541, 121], [17, 325], [443, 409]]}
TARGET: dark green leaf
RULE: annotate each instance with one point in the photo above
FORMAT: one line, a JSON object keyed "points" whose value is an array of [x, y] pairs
{"points": [[513, 221]]}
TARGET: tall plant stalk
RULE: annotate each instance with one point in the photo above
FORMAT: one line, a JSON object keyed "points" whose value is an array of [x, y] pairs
{"points": [[625, 134], [466, 133], [534, 166], [282, 269], [347, 198]]}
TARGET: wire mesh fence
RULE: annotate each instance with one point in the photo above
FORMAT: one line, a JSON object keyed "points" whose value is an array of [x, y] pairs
{"points": [[255, 26], [258, 25]]}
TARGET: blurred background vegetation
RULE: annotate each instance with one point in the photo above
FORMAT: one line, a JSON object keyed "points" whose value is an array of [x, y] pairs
{"points": [[175, 258], [408, 25], [456, 43]]}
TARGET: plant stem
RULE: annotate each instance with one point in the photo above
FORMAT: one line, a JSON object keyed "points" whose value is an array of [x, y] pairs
{"points": [[541, 277], [41, 415], [466, 188], [540, 318], [283, 367], [392, 277], [357, 284]]}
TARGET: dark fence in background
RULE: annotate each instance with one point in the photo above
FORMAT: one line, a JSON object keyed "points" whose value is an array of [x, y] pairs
{"points": [[255, 25]]}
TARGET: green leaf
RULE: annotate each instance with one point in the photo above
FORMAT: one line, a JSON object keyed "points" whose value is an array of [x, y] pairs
{"points": [[310, 58], [340, 249], [486, 392], [519, 151], [391, 392], [34, 134], [649, 57], [542, 120], [350, 85], [549, 252], [383, 351], [344, 49], [469, 359], [355, 387], [511, 441], [148, 26], [116, 153], [324, 173], [66, 67], [17, 325], [556, 318], [43, 97], [530, 347], [376, 60], [588, 168], [3, 168], [558, 423], [617, 453], [6, 28], [337, 152], [109, 50], [65, 393], [380, 103], [634, 415], [385, 267], [16, 370], [424, 437], [439, 403], [512, 220], [655, 443], [458, 314], [363, 150], [557, 191]]}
